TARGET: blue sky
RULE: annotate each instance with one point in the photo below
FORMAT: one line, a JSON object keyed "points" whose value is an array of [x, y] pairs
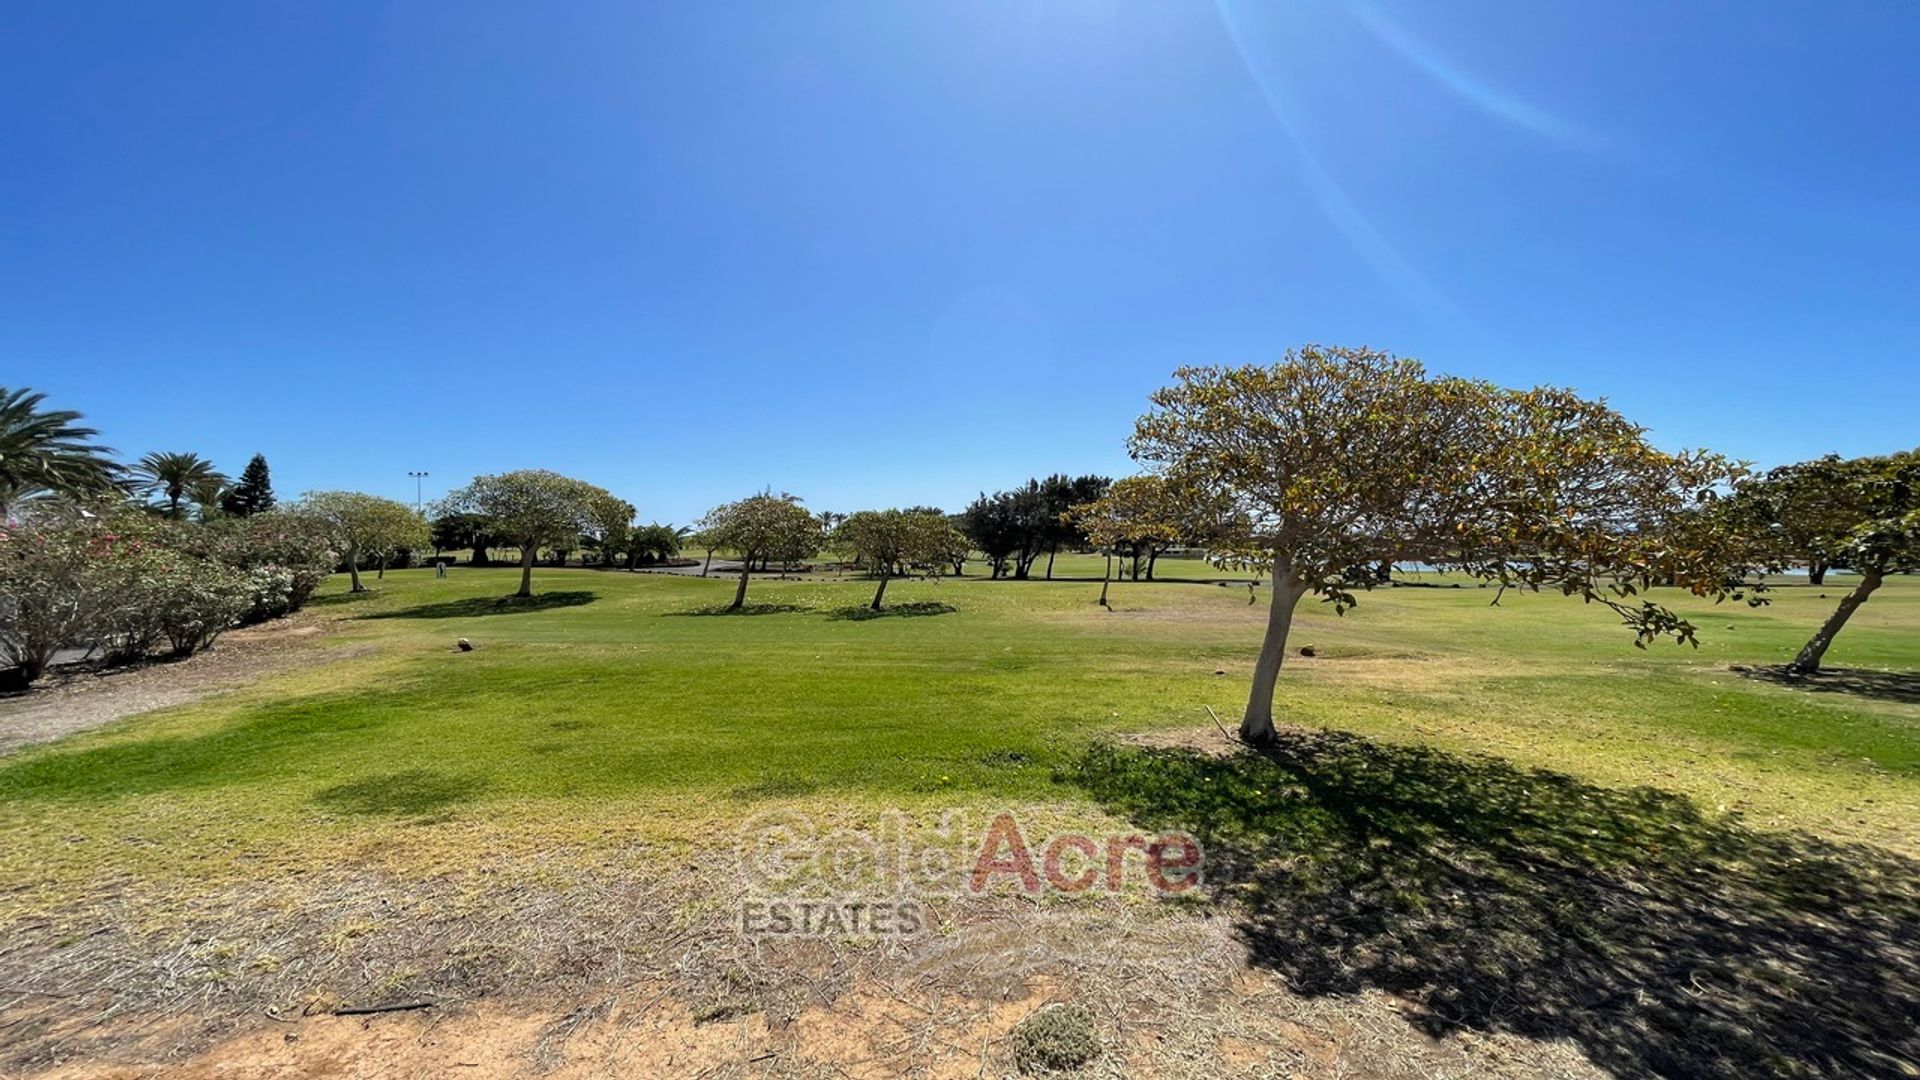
{"points": [[887, 253]]}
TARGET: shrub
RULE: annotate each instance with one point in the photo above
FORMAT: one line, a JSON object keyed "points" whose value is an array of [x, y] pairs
{"points": [[286, 556], [1056, 1038], [67, 578]]}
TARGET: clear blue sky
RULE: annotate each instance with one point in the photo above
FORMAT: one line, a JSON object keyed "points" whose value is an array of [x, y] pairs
{"points": [[891, 253]]}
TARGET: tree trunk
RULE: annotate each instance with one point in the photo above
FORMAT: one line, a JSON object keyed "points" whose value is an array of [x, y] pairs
{"points": [[353, 568], [1816, 572], [1106, 580], [960, 567], [1256, 726], [1153, 556], [740, 594], [527, 555], [1808, 661], [1051, 548], [881, 591], [480, 556], [381, 573]]}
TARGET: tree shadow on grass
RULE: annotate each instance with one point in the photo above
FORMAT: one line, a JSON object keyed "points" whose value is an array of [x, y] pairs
{"points": [[744, 609], [863, 612], [1661, 941], [1901, 686], [400, 794], [490, 605]]}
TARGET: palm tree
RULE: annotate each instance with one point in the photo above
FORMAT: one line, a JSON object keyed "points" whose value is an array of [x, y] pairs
{"points": [[209, 495], [45, 452], [174, 475]]}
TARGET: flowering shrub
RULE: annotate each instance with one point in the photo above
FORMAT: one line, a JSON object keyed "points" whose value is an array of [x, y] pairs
{"points": [[286, 555], [119, 584], [65, 579]]}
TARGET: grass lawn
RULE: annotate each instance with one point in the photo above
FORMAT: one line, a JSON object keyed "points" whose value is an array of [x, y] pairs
{"points": [[621, 716], [616, 695]]}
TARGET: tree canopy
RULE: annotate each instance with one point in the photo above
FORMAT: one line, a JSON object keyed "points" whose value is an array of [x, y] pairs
{"points": [[763, 526], [1859, 513], [531, 508], [1338, 459], [893, 539], [47, 451], [254, 492], [360, 524]]}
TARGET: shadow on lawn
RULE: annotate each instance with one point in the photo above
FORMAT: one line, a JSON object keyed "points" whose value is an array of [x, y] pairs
{"points": [[1902, 686], [862, 612], [744, 609], [1661, 941], [402, 794], [490, 605]]}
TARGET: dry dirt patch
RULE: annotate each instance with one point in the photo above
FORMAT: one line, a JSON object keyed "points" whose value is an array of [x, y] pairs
{"points": [[81, 701]]}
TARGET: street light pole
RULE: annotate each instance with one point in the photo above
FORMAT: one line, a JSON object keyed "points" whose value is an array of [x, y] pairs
{"points": [[417, 477]]}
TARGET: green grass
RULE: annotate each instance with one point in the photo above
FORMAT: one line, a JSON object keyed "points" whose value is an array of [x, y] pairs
{"points": [[618, 706]]}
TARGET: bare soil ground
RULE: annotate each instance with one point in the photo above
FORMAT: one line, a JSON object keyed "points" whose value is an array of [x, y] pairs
{"points": [[645, 976], [75, 701]]}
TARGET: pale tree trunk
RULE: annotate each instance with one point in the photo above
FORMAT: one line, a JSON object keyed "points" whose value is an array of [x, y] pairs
{"points": [[740, 594], [881, 591], [1106, 580], [1808, 661], [708, 565], [1256, 726], [527, 555], [353, 568]]}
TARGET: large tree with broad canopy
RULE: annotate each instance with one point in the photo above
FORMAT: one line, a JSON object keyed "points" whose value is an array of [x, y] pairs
{"points": [[893, 539], [530, 507], [1338, 459]]}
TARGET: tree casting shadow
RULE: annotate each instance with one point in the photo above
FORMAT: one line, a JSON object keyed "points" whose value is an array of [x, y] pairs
{"points": [[490, 605], [862, 612], [401, 794], [1661, 941], [1902, 686]]}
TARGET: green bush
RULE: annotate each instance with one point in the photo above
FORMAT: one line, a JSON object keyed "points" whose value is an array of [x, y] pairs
{"points": [[1054, 1039]]}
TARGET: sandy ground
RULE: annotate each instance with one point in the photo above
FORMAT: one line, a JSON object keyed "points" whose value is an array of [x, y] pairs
{"points": [[81, 701]]}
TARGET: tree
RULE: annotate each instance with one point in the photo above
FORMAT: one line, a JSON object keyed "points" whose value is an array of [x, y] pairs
{"points": [[1860, 513], [361, 525], [994, 525], [453, 531], [763, 526], [173, 475], [254, 493], [1138, 513], [894, 539], [1338, 459], [708, 541], [1059, 494], [530, 507], [611, 525], [655, 543], [45, 451], [208, 496]]}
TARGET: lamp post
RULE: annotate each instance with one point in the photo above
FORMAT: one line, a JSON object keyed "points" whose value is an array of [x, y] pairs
{"points": [[417, 477]]}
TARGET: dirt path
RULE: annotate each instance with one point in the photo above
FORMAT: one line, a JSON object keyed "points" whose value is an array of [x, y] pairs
{"points": [[66, 704]]}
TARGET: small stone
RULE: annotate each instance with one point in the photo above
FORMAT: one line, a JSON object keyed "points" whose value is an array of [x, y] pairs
{"points": [[465, 645], [1308, 650]]}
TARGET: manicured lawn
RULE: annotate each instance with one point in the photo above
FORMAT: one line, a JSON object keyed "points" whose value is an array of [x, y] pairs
{"points": [[618, 706]]}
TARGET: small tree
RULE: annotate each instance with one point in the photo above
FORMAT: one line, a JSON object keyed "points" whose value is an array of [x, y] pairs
{"points": [[1339, 459], [764, 526], [892, 539], [1862, 513], [530, 507], [996, 527], [174, 476], [361, 525], [611, 526], [451, 532], [1138, 513], [254, 493]]}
